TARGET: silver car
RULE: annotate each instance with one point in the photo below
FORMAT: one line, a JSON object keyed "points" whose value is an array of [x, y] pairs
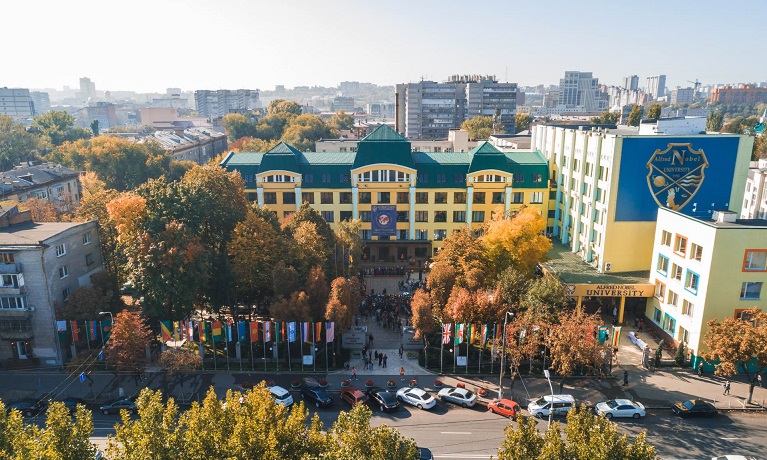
{"points": [[460, 396], [416, 397]]}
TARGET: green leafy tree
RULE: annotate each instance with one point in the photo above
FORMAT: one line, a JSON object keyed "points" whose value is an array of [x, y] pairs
{"points": [[544, 298], [304, 130], [350, 244], [522, 121], [318, 290], [94, 197], [738, 345], [64, 437], [319, 235], [95, 127], [606, 118], [654, 112], [352, 437], [57, 127], [286, 280], [479, 127], [16, 144], [153, 434], [635, 116], [342, 121], [238, 126], [714, 121]]}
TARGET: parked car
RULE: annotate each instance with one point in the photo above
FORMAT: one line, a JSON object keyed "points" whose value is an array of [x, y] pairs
{"points": [[505, 407], [385, 401], [620, 408], [353, 396], [556, 404], [694, 408], [734, 457], [116, 406], [281, 396], [318, 396], [460, 396], [416, 397], [27, 407], [425, 454], [71, 403]]}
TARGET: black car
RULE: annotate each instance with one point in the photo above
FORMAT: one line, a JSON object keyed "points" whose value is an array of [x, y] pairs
{"points": [[118, 405], [385, 401], [694, 408], [317, 395], [424, 454], [28, 407]]}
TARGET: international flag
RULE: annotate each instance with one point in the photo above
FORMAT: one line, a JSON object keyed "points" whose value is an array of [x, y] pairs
{"points": [[106, 328], [446, 330], [217, 333], [268, 331], [190, 330], [306, 332], [254, 332], [75, 331], [616, 339], [229, 332], [317, 332], [499, 331], [201, 330], [469, 333], [93, 330], [176, 327], [242, 331], [459, 330], [329, 331], [291, 331], [485, 333]]}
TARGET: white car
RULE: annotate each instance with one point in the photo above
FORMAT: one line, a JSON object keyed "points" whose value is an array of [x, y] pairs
{"points": [[734, 457], [460, 396], [620, 408], [281, 396], [416, 397]]}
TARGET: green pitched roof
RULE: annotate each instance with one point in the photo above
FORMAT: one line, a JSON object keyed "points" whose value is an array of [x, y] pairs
{"points": [[485, 156], [281, 157], [383, 145]]}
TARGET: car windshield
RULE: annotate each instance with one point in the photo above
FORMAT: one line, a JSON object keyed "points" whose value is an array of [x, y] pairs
{"points": [[688, 404], [387, 397], [612, 404], [468, 395], [540, 402], [322, 394], [282, 396]]}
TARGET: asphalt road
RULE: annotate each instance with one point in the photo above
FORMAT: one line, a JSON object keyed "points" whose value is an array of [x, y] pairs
{"points": [[452, 432]]}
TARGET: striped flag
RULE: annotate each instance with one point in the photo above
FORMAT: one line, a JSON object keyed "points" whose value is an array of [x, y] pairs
{"points": [[499, 331], [616, 339], [165, 327], [485, 333], [291, 331], [229, 332], [242, 331], [75, 331], [106, 328], [306, 332], [217, 333], [446, 330], [317, 331], [469, 333], [329, 331], [201, 331], [459, 334], [190, 330], [93, 330], [268, 331], [254, 337]]}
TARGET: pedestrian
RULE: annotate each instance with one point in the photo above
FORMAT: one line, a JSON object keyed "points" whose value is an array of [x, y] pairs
{"points": [[354, 373], [759, 379], [365, 362], [615, 312], [726, 387], [625, 378], [384, 361], [371, 340], [376, 354], [402, 373], [380, 360], [700, 369], [401, 350]]}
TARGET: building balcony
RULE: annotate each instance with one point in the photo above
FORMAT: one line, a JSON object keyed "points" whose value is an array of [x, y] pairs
{"points": [[13, 290], [15, 314], [11, 269], [17, 329]]}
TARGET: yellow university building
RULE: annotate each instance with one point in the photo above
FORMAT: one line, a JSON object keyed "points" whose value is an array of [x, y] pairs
{"points": [[408, 201]]}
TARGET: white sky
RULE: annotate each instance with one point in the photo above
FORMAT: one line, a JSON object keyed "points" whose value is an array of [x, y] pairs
{"points": [[146, 45]]}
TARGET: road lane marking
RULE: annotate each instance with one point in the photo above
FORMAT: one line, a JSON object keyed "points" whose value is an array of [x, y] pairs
{"points": [[730, 439], [454, 432]]}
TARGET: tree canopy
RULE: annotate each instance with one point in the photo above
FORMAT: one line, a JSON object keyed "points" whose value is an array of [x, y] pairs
{"points": [[522, 121], [606, 118], [479, 127], [635, 116], [16, 144]]}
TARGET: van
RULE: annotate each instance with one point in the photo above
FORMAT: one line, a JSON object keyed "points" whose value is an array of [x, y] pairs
{"points": [[558, 404], [281, 396]]}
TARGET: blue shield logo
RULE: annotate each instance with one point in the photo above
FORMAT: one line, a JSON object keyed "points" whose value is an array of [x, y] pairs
{"points": [[676, 174]]}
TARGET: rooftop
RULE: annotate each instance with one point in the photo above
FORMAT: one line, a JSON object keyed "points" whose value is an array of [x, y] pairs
{"points": [[34, 233], [571, 269]]}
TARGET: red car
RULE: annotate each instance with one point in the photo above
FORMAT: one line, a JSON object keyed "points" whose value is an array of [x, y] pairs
{"points": [[505, 407], [353, 396]]}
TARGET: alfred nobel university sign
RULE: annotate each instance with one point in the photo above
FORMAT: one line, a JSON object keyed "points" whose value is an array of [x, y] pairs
{"points": [[610, 290]]}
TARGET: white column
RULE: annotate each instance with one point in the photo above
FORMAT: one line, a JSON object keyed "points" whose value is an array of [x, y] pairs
{"points": [[298, 198], [260, 196], [355, 202], [469, 201], [411, 214], [507, 202]]}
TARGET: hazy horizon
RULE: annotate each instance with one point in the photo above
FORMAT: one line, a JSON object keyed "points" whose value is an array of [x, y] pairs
{"points": [[147, 46]]}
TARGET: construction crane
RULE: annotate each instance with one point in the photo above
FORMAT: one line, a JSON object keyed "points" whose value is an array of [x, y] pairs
{"points": [[696, 83]]}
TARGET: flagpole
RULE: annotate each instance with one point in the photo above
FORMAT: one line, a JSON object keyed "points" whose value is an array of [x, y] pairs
{"points": [[326, 348], [88, 334], [492, 359], [227, 333], [442, 348], [468, 342], [481, 348], [455, 346], [213, 336], [252, 359], [277, 344], [302, 348], [314, 361], [290, 365], [264, 341], [74, 342]]}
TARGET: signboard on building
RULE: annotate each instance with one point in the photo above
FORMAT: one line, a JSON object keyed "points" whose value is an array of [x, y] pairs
{"points": [[610, 290], [408, 341], [383, 220], [355, 339], [689, 174]]}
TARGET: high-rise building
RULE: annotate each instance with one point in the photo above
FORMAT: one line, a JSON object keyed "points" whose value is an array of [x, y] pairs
{"points": [[580, 91], [380, 110], [429, 110], [349, 88], [680, 96], [16, 103], [216, 104], [343, 103], [656, 86], [87, 88], [631, 83], [42, 101]]}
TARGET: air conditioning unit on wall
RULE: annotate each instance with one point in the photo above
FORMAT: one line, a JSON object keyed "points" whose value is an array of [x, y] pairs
{"points": [[608, 266]]}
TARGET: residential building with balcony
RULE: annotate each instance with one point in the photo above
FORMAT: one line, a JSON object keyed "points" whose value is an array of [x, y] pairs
{"points": [[47, 181], [40, 265]]}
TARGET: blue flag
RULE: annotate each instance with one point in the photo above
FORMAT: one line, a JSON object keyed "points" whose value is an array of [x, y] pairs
{"points": [[291, 332], [242, 331]]}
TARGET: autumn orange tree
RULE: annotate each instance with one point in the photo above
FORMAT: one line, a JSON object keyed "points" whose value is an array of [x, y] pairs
{"points": [[573, 343], [126, 347], [423, 315], [292, 308], [738, 344], [516, 241], [318, 290]]}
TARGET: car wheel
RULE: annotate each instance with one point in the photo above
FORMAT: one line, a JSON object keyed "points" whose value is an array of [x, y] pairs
{"points": [[464, 405], [381, 408], [399, 398], [608, 416], [419, 406], [539, 415], [490, 408], [105, 412], [317, 404], [28, 413], [636, 415]]}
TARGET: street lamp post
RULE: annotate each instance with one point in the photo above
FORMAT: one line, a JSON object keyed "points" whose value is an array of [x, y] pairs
{"points": [[551, 408], [503, 349]]}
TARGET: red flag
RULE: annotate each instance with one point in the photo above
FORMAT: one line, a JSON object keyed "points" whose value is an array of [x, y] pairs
{"points": [[254, 332], [201, 326], [317, 331], [75, 331]]}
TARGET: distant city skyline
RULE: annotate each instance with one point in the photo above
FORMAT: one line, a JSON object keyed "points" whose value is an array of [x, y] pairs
{"points": [[148, 46]]}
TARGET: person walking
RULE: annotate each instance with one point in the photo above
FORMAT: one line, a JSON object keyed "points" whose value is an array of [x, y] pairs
{"points": [[376, 354], [759, 380], [401, 351], [402, 373], [354, 373], [384, 360], [700, 369], [380, 360], [726, 387], [625, 378]]}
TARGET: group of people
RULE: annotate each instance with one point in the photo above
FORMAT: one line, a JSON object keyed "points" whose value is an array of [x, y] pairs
{"points": [[369, 358], [384, 271]]}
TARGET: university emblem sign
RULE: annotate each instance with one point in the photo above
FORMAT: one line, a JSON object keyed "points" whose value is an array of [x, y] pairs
{"points": [[676, 174], [384, 220]]}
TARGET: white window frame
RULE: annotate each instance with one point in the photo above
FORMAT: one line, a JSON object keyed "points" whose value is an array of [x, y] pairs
{"points": [[61, 250], [63, 271]]}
